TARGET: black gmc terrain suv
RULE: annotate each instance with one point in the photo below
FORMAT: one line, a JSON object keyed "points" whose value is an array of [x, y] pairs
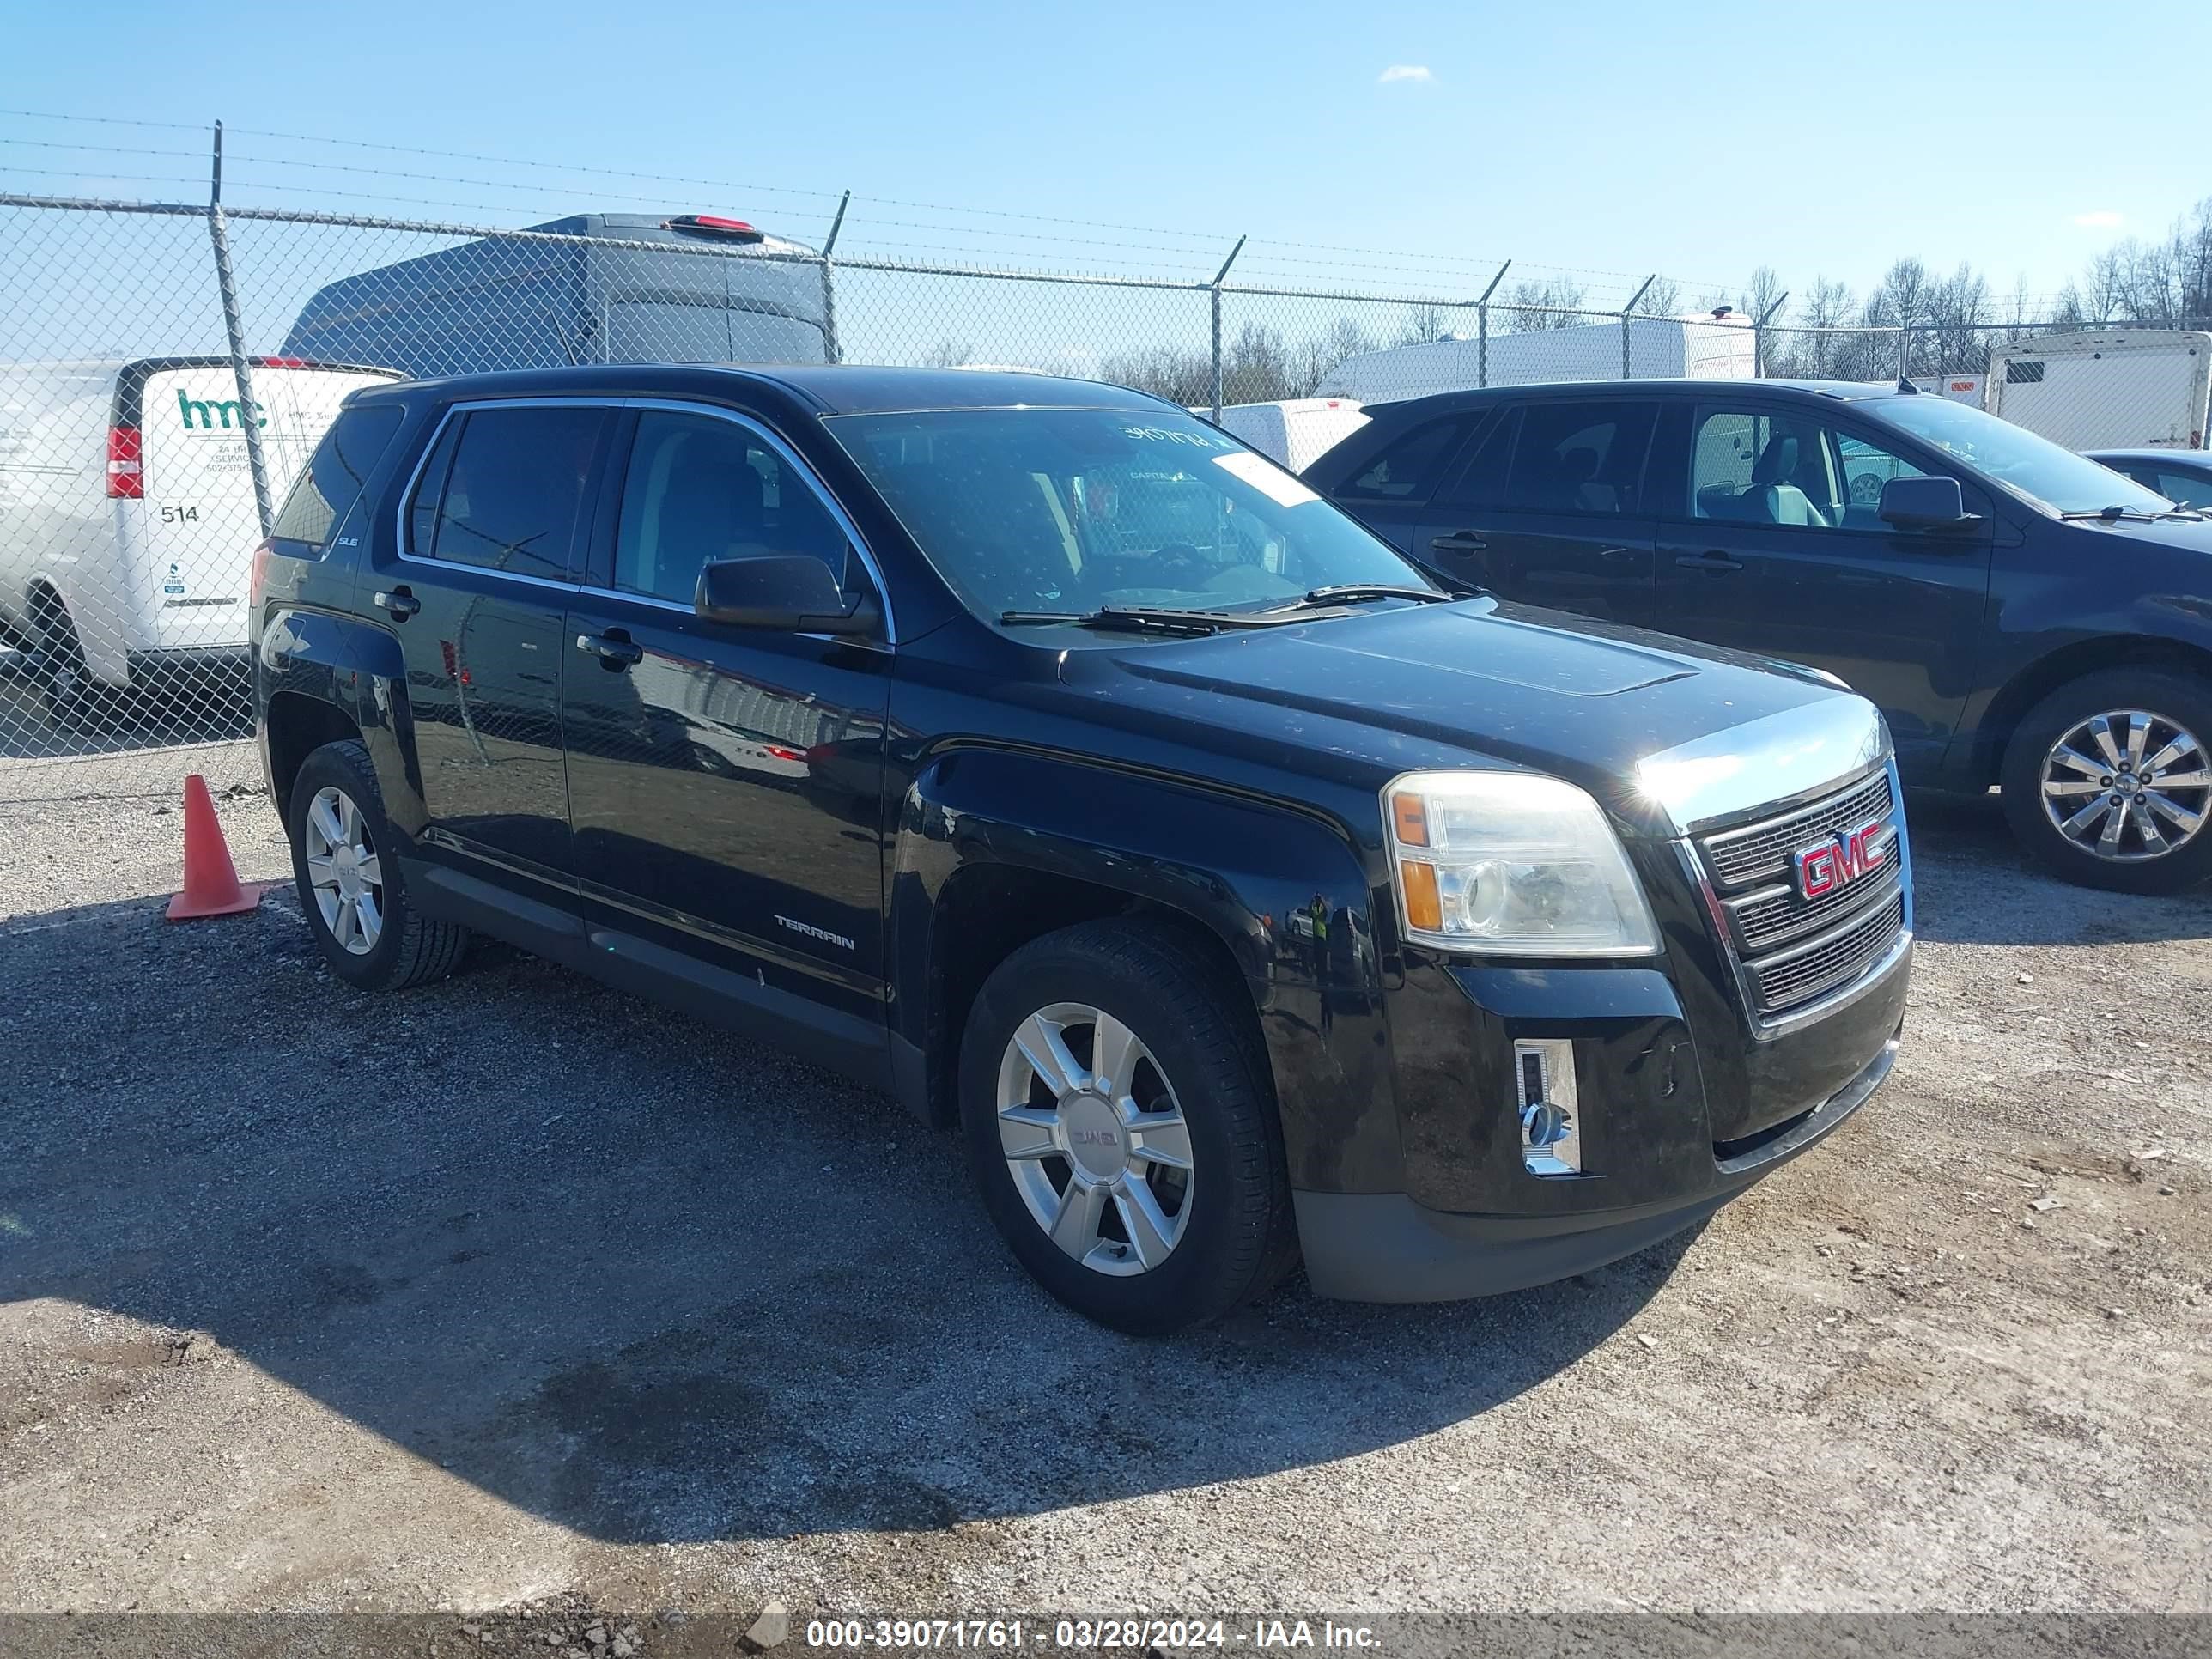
{"points": [[1034, 750]]}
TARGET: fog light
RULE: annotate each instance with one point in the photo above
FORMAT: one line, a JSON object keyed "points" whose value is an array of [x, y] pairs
{"points": [[1551, 1122]]}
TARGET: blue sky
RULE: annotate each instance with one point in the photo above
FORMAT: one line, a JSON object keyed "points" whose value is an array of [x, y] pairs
{"points": [[1609, 138]]}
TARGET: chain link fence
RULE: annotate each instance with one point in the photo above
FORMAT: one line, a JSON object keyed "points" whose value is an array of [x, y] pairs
{"points": [[166, 371]]}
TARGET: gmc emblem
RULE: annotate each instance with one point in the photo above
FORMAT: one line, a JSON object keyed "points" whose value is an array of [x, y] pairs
{"points": [[1839, 861]]}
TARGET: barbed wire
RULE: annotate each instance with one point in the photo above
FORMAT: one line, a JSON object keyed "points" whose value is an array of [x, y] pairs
{"points": [[1409, 260]]}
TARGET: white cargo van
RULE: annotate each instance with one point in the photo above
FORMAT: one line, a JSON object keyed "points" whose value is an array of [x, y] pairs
{"points": [[1701, 347], [127, 526], [1296, 431], [2108, 388]]}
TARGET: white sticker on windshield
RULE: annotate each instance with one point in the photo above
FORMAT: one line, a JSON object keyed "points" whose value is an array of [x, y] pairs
{"points": [[1269, 480]]}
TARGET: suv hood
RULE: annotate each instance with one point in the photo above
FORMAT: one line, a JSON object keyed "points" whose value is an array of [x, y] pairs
{"points": [[1665, 733]]}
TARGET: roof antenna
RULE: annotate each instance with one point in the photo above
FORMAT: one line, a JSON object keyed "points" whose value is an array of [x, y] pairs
{"points": [[1907, 388]]}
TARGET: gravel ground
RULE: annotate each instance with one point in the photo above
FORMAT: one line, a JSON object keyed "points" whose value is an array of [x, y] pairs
{"points": [[516, 1292]]}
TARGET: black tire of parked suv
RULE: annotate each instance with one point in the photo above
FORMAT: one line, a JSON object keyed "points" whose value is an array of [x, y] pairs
{"points": [[2177, 695], [1240, 1239], [412, 949]]}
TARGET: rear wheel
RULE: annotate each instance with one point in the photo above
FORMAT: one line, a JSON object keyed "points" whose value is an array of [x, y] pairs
{"points": [[2108, 780], [1119, 1121], [351, 892], [75, 701]]}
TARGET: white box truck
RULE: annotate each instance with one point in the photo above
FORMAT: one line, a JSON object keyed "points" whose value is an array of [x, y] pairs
{"points": [[2107, 388], [127, 526], [1701, 346], [1295, 431]]}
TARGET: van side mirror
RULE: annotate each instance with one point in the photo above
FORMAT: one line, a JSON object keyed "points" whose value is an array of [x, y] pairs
{"points": [[791, 592], [1926, 504]]}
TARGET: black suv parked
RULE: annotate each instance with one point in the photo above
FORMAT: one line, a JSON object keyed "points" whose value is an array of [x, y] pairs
{"points": [[2022, 616], [1034, 750]]}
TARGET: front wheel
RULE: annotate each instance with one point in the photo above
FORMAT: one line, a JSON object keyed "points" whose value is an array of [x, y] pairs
{"points": [[1120, 1122], [2109, 782]]}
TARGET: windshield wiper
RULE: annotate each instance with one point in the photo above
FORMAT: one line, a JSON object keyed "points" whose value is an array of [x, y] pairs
{"points": [[2133, 515], [1141, 619], [1354, 593]]}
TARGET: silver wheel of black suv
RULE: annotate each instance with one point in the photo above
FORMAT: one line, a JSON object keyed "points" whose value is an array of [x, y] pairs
{"points": [[2108, 780], [1094, 1139], [350, 891], [1121, 1124]]}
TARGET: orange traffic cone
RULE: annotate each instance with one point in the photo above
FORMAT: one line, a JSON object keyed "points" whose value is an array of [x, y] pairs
{"points": [[211, 884]]}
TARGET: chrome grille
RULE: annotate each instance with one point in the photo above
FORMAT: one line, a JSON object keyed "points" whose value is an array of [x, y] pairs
{"points": [[1770, 916], [1742, 856], [1781, 982], [1792, 949]]}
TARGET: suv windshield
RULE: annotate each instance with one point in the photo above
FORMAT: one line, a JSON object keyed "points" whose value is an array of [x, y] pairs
{"points": [[1072, 509], [2034, 469]]}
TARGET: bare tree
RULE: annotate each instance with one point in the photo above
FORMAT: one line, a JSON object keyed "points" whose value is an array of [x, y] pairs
{"points": [[947, 354], [1180, 375], [1819, 353], [1959, 317], [1420, 324], [1663, 298], [1314, 358], [1549, 303], [1764, 289]]}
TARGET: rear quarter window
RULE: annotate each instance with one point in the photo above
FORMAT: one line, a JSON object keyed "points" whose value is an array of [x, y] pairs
{"points": [[1407, 468], [332, 482]]}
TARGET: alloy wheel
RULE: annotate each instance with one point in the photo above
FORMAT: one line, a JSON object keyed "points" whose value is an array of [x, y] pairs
{"points": [[2128, 786], [1095, 1139], [343, 872]]}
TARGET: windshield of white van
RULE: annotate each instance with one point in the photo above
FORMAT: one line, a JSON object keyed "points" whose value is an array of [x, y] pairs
{"points": [[2034, 469], [1070, 510]]}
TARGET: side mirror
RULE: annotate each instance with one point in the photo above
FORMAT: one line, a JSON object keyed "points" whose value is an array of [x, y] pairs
{"points": [[791, 592], [1926, 504]]}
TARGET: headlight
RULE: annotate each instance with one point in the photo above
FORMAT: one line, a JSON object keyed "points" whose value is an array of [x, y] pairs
{"points": [[1511, 864]]}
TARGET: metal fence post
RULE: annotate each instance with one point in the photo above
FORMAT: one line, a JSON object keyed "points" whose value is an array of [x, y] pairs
{"points": [[1759, 336], [233, 324], [1905, 353], [1482, 327], [1627, 371], [830, 350], [1219, 276]]}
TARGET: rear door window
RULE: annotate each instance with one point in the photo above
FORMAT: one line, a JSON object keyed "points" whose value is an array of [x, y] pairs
{"points": [[510, 497], [327, 491], [1408, 468], [1581, 458]]}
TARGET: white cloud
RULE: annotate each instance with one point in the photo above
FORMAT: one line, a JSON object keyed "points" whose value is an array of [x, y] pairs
{"points": [[2102, 219], [1404, 72]]}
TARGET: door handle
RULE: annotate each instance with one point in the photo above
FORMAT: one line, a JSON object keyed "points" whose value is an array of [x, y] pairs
{"points": [[1465, 541], [1616, 554], [1715, 561], [400, 603], [615, 651]]}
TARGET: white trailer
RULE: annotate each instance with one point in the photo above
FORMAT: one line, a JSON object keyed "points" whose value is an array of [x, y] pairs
{"points": [[1294, 431], [1701, 346], [2109, 388]]}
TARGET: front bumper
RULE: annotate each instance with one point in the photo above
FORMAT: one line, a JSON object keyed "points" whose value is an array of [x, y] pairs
{"points": [[1386, 1247]]}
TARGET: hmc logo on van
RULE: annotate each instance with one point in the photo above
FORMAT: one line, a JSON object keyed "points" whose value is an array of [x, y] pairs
{"points": [[212, 409]]}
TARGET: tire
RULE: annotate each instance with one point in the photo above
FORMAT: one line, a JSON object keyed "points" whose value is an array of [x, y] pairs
{"points": [[404, 948], [1198, 1062], [2039, 787], [75, 701]]}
